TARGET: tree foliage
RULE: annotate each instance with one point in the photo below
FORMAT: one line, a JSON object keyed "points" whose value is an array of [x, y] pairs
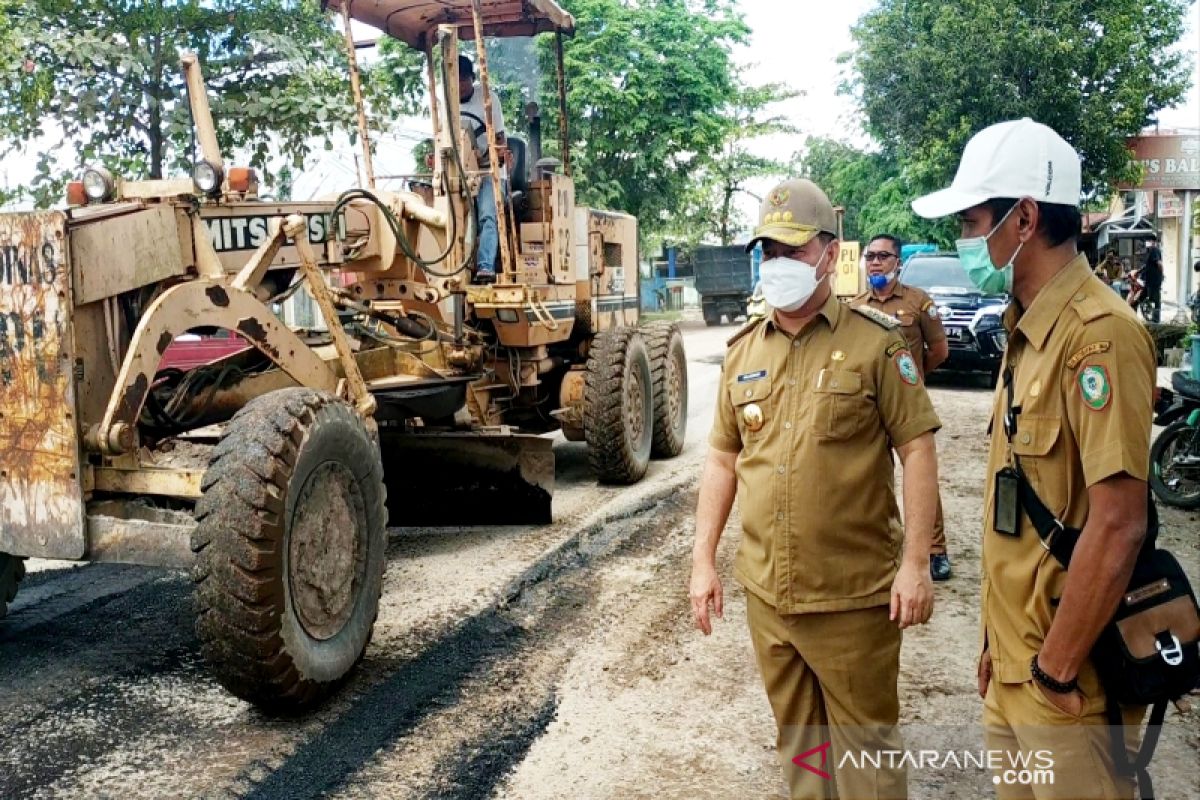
{"points": [[873, 189], [931, 73], [102, 81], [710, 206], [647, 82]]}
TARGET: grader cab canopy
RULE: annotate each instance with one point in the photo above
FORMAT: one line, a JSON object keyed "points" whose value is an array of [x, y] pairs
{"points": [[413, 21]]}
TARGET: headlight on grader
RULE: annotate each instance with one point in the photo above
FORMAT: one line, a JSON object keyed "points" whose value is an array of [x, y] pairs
{"points": [[207, 176], [98, 183]]}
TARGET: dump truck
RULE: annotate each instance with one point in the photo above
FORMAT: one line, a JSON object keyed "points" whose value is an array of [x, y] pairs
{"points": [[725, 281], [272, 472]]}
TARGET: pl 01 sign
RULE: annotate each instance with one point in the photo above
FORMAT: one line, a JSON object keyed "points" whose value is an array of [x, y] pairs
{"points": [[1168, 162], [849, 276]]}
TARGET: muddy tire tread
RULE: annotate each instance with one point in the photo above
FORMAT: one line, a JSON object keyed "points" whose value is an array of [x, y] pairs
{"points": [[603, 414], [660, 338], [238, 542], [12, 570]]}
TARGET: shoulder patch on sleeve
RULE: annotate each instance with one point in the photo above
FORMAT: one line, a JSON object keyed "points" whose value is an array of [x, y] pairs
{"points": [[750, 325], [1091, 350], [878, 317]]}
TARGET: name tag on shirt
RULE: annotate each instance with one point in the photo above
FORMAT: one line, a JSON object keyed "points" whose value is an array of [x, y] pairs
{"points": [[747, 377]]}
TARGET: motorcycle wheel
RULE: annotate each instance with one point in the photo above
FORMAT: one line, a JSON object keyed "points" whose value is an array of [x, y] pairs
{"points": [[1175, 483]]}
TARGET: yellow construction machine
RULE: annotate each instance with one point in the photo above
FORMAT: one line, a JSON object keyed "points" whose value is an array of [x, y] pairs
{"points": [[268, 471]]}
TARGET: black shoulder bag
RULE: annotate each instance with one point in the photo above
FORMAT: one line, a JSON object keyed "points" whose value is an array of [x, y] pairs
{"points": [[1149, 653]]}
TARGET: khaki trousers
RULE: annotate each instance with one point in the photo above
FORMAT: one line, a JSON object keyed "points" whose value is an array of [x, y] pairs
{"points": [[831, 680], [938, 544], [1020, 721]]}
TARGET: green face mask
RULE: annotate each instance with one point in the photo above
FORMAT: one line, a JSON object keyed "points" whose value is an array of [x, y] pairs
{"points": [[976, 260]]}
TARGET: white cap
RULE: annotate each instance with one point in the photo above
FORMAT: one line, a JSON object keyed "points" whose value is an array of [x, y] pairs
{"points": [[1018, 158]]}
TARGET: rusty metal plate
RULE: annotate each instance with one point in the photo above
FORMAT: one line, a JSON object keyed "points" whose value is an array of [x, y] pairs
{"points": [[41, 500]]}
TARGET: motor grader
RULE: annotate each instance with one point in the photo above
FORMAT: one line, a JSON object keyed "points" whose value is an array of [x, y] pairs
{"points": [[268, 472]]}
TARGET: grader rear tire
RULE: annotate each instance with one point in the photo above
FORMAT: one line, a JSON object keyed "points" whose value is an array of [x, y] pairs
{"points": [[289, 544], [668, 375], [12, 569], [618, 411]]}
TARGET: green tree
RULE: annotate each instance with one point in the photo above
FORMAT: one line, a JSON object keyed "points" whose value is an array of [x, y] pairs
{"points": [[105, 75], [930, 73], [872, 188], [709, 209], [648, 82]]}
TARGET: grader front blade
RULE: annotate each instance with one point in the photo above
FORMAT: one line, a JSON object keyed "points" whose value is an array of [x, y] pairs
{"points": [[492, 478]]}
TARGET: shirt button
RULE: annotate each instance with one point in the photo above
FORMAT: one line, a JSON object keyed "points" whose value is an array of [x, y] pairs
{"points": [[792, 382], [796, 343], [787, 426], [749, 392], [782, 469], [1026, 438], [833, 384], [779, 515]]}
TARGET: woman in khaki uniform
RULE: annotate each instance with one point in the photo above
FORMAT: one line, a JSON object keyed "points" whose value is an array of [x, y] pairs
{"points": [[813, 399], [922, 329], [1081, 372]]}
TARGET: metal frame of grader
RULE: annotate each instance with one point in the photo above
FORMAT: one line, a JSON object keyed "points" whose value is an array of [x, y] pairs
{"points": [[264, 472]]}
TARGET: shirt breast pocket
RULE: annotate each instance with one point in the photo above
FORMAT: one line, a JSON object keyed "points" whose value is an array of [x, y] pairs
{"points": [[840, 408], [1033, 446], [755, 406]]}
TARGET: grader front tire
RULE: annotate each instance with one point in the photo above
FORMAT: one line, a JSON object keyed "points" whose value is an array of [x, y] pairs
{"points": [[617, 406], [668, 370], [289, 545], [12, 569]]}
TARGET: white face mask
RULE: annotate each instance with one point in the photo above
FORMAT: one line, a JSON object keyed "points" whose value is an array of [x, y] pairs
{"points": [[787, 283]]}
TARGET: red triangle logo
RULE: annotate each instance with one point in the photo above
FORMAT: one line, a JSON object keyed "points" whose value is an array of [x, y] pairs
{"points": [[802, 760]]}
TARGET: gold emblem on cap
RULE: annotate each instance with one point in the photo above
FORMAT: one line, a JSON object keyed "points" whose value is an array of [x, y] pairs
{"points": [[838, 355], [779, 197], [753, 417]]}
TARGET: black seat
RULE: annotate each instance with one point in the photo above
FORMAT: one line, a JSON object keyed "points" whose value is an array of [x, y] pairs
{"points": [[520, 168]]}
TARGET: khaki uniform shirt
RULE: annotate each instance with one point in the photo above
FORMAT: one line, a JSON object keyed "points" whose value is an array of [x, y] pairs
{"points": [[1109, 270], [919, 320], [813, 420], [1083, 377]]}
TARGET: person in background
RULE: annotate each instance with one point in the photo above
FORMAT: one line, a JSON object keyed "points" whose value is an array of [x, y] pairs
{"points": [[1152, 278], [922, 329]]}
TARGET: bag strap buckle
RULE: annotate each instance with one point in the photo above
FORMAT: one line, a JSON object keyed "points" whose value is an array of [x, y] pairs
{"points": [[1047, 541], [1172, 653]]}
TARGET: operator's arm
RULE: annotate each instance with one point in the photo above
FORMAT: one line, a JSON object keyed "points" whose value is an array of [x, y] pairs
{"points": [[912, 597]]}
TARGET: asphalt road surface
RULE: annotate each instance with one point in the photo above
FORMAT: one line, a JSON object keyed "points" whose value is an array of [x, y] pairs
{"points": [[514, 662]]}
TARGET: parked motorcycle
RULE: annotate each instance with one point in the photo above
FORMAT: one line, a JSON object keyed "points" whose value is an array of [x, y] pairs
{"points": [[1175, 454]]}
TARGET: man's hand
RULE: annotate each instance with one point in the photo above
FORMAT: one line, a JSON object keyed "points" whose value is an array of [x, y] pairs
{"points": [[984, 677], [912, 595], [1070, 703], [705, 590]]}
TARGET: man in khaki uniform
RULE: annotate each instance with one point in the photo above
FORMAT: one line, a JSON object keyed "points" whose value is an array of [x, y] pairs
{"points": [[1081, 370], [813, 399], [922, 329]]}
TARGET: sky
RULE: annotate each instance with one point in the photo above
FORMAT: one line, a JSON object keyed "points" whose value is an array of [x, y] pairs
{"points": [[796, 43]]}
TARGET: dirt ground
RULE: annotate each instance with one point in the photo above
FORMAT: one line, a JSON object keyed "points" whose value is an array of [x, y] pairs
{"points": [[653, 709], [522, 663]]}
